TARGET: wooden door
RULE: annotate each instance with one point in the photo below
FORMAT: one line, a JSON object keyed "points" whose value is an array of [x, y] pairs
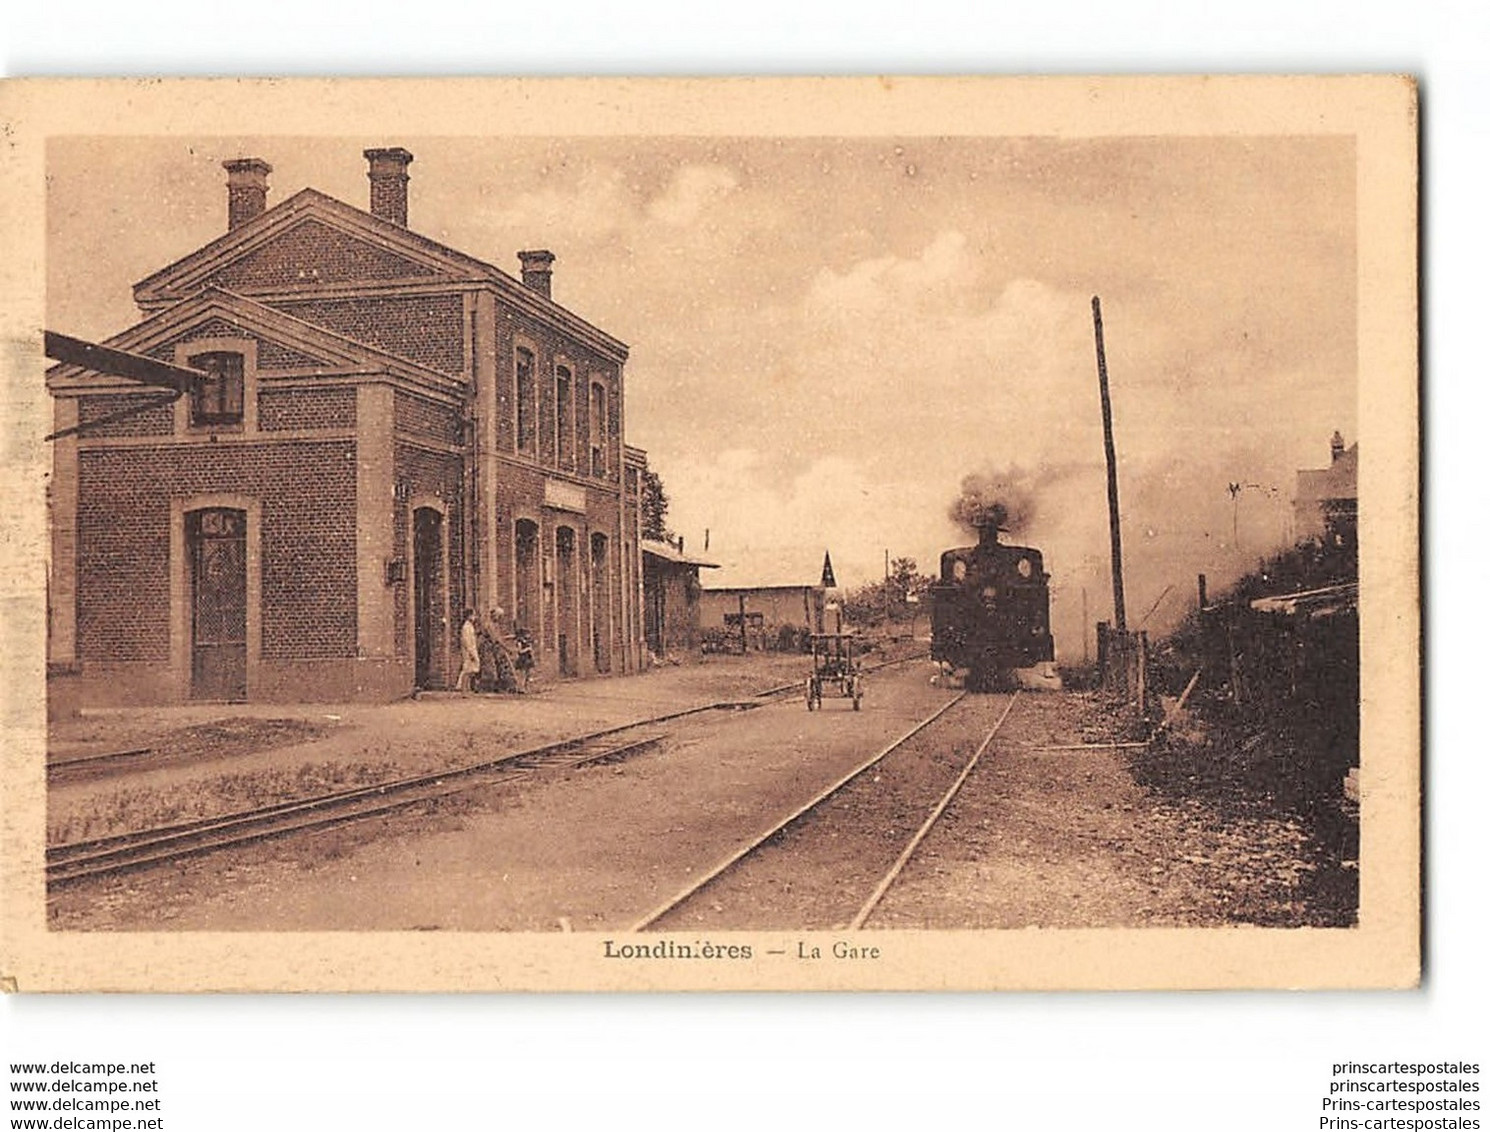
{"points": [[429, 594], [218, 538]]}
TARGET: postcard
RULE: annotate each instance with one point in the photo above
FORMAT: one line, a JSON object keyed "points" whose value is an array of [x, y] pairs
{"points": [[721, 534]]}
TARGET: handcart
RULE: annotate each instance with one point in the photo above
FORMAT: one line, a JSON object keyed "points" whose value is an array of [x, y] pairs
{"points": [[835, 665]]}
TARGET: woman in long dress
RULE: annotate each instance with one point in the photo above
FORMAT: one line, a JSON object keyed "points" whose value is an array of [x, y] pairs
{"points": [[496, 666]]}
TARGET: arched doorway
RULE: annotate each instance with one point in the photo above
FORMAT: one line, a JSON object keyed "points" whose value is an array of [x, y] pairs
{"points": [[429, 598], [600, 627], [567, 618], [529, 577], [217, 538]]}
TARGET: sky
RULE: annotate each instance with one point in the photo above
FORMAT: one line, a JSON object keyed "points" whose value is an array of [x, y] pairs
{"points": [[828, 335]]}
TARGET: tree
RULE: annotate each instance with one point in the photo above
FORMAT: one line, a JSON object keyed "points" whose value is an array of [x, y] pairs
{"points": [[654, 508], [869, 604], [905, 581]]}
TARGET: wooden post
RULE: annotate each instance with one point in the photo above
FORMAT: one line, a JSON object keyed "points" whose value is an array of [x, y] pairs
{"points": [[1119, 614], [1143, 672], [1238, 695], [1085, 656], [1200, 581], [744, 644]]}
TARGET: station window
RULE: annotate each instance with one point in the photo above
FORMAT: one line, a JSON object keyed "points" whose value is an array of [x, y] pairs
{"points": [[564, 406], [598, 429], [217, 399], [527, 405]]}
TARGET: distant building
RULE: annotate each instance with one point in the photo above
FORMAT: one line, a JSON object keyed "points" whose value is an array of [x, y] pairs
{"points": [[766, 608], [670, 597], [392, 431], [1324, 505]]}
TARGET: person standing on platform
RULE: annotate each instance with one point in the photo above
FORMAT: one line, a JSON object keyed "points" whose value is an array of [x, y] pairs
{"points": [[470, 654], [497, 674]]}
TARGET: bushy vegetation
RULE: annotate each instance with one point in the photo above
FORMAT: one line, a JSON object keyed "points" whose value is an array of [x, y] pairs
{"points": [[895, 600]]}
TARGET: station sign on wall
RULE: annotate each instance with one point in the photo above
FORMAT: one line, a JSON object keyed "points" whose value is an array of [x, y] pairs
{"points": [[564, 496]]}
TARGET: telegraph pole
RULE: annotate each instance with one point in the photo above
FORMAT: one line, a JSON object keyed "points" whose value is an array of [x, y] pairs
{"points": [[1119, 614]]}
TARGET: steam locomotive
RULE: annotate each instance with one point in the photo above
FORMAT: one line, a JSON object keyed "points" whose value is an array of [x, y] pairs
{"points": [[990, 611]]}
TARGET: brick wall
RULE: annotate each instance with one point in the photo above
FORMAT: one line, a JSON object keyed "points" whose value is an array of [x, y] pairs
{"points": [[423, 328], [152, 422], [520, 494], [313, 252], [272, 355], [308, 544], [423, 419], [584, 365], [332, 407]]}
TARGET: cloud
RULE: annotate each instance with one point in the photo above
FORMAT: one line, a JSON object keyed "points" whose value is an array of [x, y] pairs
{"points": [[769, 524], [692, 189], [595, 204], [902, 375], [888, 281]]}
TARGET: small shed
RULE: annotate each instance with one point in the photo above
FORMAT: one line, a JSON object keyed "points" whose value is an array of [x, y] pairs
{"points": [[670, 597]]}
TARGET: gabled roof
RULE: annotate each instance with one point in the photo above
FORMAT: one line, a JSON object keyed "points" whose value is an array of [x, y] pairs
{"points": [[672, 554], [429, 261], [1338, 481], [321, 346], [793, 587]]}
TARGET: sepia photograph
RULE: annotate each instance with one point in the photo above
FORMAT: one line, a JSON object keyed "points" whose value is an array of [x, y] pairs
{"points": [[714, 534]]}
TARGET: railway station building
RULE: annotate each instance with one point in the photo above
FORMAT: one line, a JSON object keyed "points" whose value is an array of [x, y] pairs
{"points": [[390, 431]]}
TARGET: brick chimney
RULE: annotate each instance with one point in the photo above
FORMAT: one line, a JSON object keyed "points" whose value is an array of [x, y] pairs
{"points": [[538, 271], [1337, 446], [388, 193], [248, 189]]}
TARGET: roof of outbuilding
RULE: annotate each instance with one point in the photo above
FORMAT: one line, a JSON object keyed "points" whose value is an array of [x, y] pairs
{"points": [[1338, 481], [672, 554]]}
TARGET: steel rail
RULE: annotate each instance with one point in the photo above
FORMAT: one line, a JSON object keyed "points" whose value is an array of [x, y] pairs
{"points": [[146, 847], [777, 689], [889, 878], [663, 909], [119, 852]]}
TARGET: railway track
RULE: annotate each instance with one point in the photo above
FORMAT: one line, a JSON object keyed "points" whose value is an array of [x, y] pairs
{"points": [[122, 852], [82, 768], [119, 853], [711, 881], [90, 767]]}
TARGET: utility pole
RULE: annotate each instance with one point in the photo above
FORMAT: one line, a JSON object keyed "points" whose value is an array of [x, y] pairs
{"points": [[1119, 614]]}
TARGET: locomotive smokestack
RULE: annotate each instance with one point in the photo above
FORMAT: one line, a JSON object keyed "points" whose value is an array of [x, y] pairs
{"points": [[991, 502]]}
